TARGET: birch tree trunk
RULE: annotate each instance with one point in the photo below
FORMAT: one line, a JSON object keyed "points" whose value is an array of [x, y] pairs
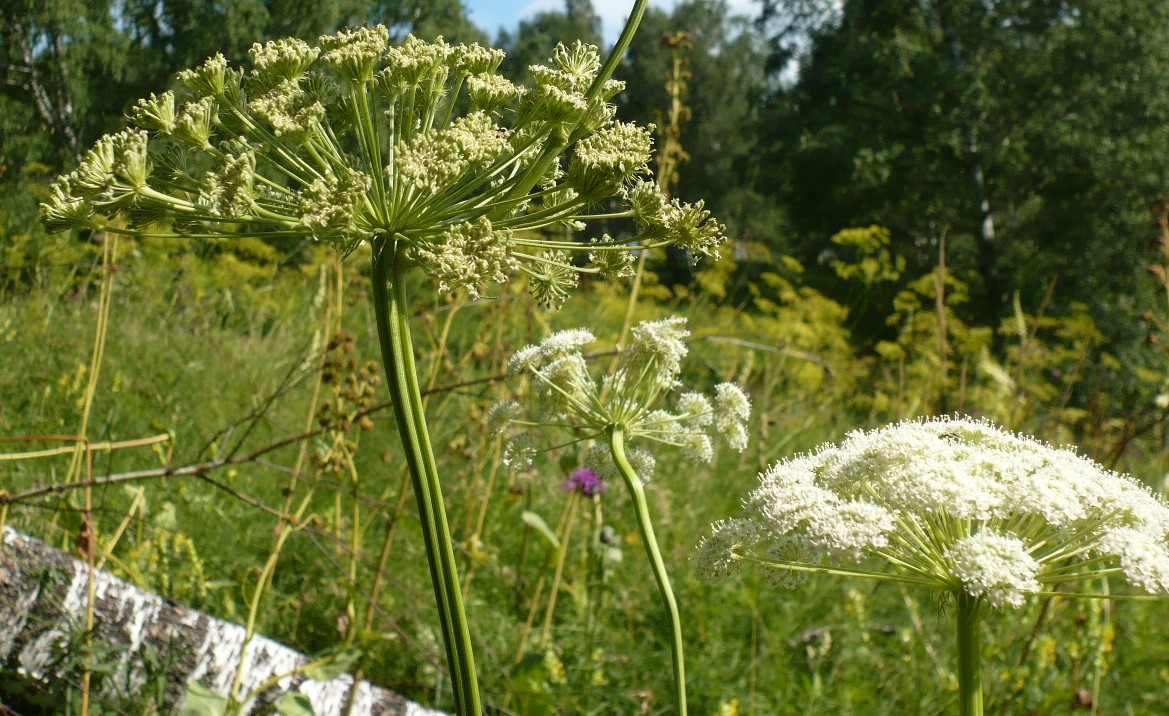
{"points": [[43, 599]]}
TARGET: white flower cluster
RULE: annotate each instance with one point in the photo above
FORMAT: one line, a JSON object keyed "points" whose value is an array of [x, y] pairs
{"points": [[994, 566], [357, 140], [954, 504], [628, 399]]}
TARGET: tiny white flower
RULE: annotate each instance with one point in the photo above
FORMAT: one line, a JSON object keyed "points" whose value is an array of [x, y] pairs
{"points": [[500, 415], [696, 409], [1143, 557], [519, 451]]}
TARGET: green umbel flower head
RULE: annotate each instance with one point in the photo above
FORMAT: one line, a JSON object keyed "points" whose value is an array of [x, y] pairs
{"points": [[422, 145]]}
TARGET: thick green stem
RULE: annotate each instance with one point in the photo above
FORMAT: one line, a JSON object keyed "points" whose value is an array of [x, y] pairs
{"points": [[637, 492], [969, 655], [389, 298]]}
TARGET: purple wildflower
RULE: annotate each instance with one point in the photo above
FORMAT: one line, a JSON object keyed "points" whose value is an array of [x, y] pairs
{"points": [[584, 481]]}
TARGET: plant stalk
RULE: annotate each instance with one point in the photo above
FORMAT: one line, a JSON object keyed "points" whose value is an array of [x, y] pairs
{"points": [[637, 491], [969, 655], [554, 592], [390, 307]]}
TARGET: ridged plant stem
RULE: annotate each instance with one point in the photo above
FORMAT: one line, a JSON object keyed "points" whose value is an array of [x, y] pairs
{"points": [[637, 491], [390, 307], [969, 655]]}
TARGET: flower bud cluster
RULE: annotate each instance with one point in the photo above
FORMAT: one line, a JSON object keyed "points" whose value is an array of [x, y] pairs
{"points": [[551, 278], [229, 189], [467, 254], [956, 504], [690, 227], [421, 144], [435, 159], [629, 399], [350, 389], [609, 260]]}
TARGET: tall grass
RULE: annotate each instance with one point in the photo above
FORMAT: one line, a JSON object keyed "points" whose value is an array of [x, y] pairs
{"points": [[222, 351]]}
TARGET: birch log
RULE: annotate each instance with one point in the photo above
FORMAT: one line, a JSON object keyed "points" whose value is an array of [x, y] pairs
{"points": [[43, 595]]}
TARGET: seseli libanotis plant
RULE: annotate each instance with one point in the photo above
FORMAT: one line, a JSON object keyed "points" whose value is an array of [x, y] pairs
{"points": [[618, 410], [956, 505], [423, 152]]}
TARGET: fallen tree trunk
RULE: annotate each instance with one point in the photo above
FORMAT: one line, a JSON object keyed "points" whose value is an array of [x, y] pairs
{"points": [[43, 600]]}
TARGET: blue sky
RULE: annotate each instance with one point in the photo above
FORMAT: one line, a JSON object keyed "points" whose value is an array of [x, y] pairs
{"points": [[492, 15]]}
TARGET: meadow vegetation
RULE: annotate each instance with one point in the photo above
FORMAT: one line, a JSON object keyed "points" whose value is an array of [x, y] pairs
{"points": [[236, 413], [226, 362]]}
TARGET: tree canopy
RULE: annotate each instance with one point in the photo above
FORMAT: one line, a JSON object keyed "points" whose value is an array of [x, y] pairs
{"points": [[1027, 133]]}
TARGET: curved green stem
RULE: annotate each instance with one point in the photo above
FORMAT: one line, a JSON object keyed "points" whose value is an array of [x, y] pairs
{"points": [[969, 655], [637, 492], [555, 146], [389, 298]]}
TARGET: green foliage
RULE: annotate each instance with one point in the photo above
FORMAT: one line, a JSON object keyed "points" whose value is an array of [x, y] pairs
{"points": [[820, 648], [534, 681], [202, 701], [839, 184], [875, 263], [1029, 135], [295, 703]]}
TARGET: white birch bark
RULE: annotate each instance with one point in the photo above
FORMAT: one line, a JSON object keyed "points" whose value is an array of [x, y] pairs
{"points": [[43, 595]]}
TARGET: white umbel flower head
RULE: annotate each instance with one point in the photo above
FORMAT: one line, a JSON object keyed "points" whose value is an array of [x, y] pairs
{"points": [[954, 504], [631, 398]]}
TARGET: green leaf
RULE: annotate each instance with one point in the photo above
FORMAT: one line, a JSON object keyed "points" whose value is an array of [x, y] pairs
{"points": [[202, 701], [536, 522], [295, 703], [333, 666]]}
